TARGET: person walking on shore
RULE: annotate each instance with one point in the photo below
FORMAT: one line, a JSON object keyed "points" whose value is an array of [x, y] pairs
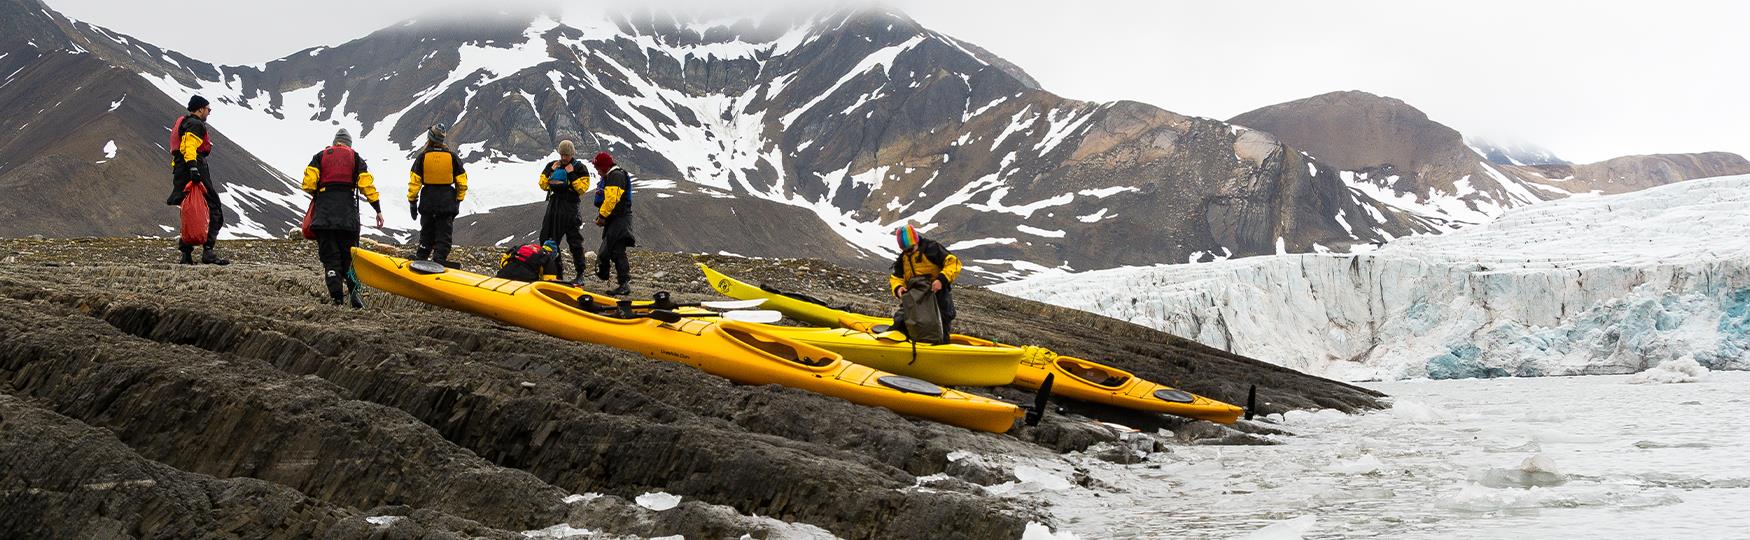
{"points": [[435, 191], [190, 145], [330, 179]]}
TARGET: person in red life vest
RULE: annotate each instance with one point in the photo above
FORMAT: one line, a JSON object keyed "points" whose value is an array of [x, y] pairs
{"points": [[615, 218], [565, 182], [190, 145], [434, 196], [331, 178]]}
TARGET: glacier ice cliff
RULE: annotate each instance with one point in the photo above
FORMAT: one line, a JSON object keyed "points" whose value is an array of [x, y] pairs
{"points": [[1596, 285]]}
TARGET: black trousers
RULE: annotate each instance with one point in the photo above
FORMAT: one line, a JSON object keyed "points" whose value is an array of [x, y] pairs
{"points": [[562, 223], [435, 236], [334, 248], [613, 252], [215, 221]]}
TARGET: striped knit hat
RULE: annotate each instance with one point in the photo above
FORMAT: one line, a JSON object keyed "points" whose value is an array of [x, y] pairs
{"points": [[908, 237]]}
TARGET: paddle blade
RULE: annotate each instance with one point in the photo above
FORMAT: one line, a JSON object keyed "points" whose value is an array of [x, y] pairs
{"points": [[733, 304], [756, 316]]}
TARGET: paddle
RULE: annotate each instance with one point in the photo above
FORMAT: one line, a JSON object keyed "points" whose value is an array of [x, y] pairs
{"points": [[756, 316], [661, 300], [1251, 402], [1041, 400]]}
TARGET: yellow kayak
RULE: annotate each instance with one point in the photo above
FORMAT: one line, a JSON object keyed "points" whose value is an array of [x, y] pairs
{"points": [[963, 361], [1076, 378], [1100, 383], [741, 352]]}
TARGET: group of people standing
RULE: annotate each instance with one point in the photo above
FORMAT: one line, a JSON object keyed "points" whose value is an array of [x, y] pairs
{"points": [[438, 183], [337, 176]]}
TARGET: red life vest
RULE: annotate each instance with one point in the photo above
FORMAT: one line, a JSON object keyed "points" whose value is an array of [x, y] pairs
{"points": [[176, 139], [337, 166]]}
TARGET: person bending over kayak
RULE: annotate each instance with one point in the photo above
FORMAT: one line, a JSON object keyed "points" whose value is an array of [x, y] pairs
{"points": [[330, 179], [565, 182], [615, 218], [922, 257], [435, 191]]}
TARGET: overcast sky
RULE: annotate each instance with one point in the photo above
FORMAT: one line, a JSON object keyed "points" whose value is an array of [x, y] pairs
{"points": [[1589, 80]]}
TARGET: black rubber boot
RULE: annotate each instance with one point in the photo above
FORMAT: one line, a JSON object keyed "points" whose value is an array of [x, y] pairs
{"points": [[188, 257], [336, 300], [422, 254], [208, 256], [622, 290]]}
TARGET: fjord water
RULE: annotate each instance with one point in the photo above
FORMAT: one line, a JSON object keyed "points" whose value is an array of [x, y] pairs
{"points": [[1573, 457]]}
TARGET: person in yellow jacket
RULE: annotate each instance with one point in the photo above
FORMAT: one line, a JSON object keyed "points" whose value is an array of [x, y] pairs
{"points": [[435, 191], [922, 257], [565, 181], [614, 215], [330, 179], [191, 143]]}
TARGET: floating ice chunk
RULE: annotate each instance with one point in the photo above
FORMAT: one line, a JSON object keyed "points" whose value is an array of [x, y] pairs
{"points": [[1038, 531], [1366, 464], [1681, 370], [658, 501], [1318, 417], [1291, 529], [562, 530], [1040, 478], [1416, 412], [1536, 470]]}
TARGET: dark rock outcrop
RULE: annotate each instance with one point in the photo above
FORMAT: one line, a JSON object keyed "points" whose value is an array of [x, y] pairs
{"points": [[408, 410]]}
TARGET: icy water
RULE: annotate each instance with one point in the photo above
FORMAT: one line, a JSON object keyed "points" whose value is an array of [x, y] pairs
{"points": [[1567, 457]]}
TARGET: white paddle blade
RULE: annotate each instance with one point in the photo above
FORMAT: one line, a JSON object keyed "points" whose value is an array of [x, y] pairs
{"points": [[756, 316], [734, 304]]}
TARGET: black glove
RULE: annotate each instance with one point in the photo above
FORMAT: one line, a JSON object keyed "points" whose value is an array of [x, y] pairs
{"points": [[601, 221], [191, 171], [413, 209]]}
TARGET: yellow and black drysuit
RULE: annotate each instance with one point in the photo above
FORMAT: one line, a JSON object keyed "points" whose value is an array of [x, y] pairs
{"points": [[928, 259], [614, 215], [188, 163], [563, 220], [435, 191], [331, 178]]}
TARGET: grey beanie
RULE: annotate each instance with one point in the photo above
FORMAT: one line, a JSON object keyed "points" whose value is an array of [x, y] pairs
{"points": [[567, 148], [342, 137], [435, 134]]}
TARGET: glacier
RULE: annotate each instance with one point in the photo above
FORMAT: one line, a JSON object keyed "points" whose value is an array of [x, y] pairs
{"points": [[1584, 286]]}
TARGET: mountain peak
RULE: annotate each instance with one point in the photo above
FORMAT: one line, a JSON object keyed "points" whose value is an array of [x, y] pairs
{"points": [[1356, 130]]}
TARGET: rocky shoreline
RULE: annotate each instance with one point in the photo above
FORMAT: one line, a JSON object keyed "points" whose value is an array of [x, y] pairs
{"points": [[140, 398]]}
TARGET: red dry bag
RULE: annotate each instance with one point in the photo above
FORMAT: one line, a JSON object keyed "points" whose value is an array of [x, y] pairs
{"points": [[309, 214], [194, 214]]}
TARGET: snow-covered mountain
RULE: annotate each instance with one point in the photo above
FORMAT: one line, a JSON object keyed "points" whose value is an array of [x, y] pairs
{"points": [[820, 132], [85, 146], [807, 134], [1597, 285], [1508, 151]]}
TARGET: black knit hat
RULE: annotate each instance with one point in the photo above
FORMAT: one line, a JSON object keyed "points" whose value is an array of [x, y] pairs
{"points": [[196, 103], [436, 133]]}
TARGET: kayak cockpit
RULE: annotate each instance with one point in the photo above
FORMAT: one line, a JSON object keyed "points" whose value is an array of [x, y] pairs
{"points": [[782, 349], [1094, 374]]}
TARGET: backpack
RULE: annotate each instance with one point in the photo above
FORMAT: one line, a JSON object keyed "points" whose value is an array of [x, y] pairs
{"points": [[526, 262], [176, 134], [921, 317], [602, 184]]}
